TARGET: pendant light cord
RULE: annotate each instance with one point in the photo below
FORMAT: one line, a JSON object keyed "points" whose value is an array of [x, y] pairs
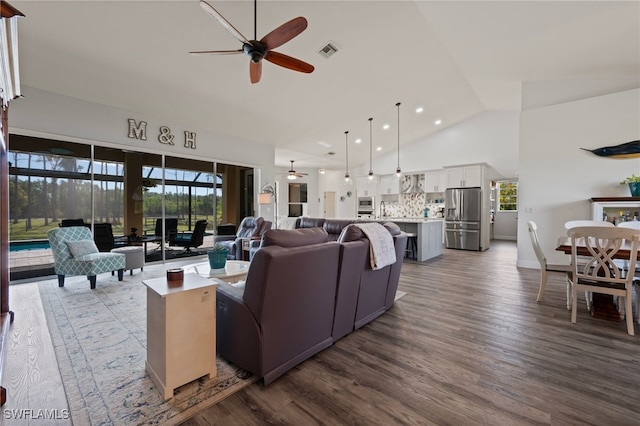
{"points": [[371, 146], [398, 171], [346, 148]]}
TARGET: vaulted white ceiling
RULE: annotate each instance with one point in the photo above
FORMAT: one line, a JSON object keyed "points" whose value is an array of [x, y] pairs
{"points": [[455, 59]]}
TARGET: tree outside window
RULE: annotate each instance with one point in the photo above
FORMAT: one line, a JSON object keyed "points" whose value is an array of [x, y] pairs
{"points": [[508, 195]]}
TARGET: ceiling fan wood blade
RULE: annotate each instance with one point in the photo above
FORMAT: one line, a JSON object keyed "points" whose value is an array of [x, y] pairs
{"points": [[255, 71], [216, 52], [221, 19], [284, 33], [288, 62]]}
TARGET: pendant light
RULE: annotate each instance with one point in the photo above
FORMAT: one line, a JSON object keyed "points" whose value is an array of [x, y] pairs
{"points": [[347, 177], [371, 149], [398, 170]]}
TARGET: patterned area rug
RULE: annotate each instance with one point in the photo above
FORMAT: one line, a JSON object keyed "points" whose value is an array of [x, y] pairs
{"points": [[100, 341]]}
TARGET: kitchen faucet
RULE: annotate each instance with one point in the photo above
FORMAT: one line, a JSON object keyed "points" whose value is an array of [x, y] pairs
{"points": [[383, 212]]}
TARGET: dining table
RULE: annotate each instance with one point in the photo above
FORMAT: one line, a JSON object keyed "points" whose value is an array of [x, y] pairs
{"points": [[564, 245], [602, 305]]}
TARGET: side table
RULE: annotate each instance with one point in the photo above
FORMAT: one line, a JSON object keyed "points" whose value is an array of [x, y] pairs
{"points": [[246, 248], [181, 331]]}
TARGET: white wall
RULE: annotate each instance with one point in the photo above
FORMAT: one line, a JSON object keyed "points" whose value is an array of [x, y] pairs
{"points": [[505, 226], [49, 115], [489, 137], [333, 181], [313, 207], [557, 178]]}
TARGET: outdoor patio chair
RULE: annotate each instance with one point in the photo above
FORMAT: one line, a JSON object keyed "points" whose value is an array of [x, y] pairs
{"points": [[104, 239], [75, 253], [189, 239]]}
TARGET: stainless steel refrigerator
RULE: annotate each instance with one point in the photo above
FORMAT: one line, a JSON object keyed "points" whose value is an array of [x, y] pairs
{"points": [[463, 215]]}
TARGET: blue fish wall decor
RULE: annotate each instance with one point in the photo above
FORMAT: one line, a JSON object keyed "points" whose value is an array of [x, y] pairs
{"points": [[625, 150]]}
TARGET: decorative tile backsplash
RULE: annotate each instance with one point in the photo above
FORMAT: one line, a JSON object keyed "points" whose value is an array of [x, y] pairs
{"points": [[413, 205]]}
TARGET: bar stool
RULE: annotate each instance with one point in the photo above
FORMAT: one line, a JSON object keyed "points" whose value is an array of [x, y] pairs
{"points": [[412, 246]]}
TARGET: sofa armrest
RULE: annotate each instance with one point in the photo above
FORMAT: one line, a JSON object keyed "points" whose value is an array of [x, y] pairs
{"points": [[238, 336], [218, 238]]}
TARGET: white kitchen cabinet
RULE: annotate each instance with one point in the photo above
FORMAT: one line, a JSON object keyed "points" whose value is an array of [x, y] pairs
{"points": [[366, 187], [181, 331], [389, 185], [435, 181], [465, 176]]}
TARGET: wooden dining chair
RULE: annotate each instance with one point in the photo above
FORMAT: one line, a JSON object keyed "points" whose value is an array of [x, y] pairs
{"points": [[600, 274], [545, 267], [634, 224]]}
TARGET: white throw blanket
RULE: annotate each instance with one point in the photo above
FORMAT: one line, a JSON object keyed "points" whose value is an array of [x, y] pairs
{"points": [[381, 247]]}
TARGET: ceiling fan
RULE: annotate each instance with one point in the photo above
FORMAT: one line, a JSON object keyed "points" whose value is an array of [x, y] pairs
{"points": [[263, 48], [292, 175]]}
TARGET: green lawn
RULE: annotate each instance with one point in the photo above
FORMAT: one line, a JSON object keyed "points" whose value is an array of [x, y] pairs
{"points": [[38, 229]]}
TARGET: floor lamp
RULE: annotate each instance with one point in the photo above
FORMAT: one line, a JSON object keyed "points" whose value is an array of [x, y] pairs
{"points": [[266, 196]]}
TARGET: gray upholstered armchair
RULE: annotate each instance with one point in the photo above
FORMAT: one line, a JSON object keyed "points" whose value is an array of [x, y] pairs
{"points": [[250, 227], [75, 253]]}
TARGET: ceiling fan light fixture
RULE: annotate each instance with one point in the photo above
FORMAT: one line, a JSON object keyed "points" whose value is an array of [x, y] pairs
{"points": [[291, 177], [261, 49]]}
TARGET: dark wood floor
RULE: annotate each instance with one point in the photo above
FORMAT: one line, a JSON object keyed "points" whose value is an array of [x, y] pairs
{"points": [[467, 345]]}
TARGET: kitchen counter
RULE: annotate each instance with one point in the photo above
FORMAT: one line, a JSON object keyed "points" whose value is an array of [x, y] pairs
{"points": [[410, 219], [428, 232]]}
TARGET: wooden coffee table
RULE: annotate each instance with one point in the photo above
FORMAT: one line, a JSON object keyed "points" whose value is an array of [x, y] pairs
{"points": [[234, 270]]}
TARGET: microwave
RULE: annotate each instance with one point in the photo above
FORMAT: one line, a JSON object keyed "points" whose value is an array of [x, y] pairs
{"points": [[365, 204]]}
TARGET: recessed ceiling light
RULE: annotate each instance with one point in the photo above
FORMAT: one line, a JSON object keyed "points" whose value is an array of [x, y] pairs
{"points": [[437, 122], [385, 126], [358, 140], [322, 171], [419, 110], [379, 148]]}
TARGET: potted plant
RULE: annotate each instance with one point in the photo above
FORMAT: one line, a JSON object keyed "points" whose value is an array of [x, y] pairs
{"points": [[218, 256], [633, 182]]}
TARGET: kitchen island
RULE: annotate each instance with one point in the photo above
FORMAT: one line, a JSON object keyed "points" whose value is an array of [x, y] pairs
{"points": [[428, 231]]}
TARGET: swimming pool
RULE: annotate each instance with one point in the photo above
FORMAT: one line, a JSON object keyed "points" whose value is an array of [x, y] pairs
{"points": [[28, 245]]}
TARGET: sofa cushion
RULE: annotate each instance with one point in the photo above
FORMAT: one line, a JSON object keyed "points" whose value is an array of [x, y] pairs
{"points": [[350, 233], [353, 233], [309, 222], [334, 227], [393, 228], [294, 237], [80, 248]]}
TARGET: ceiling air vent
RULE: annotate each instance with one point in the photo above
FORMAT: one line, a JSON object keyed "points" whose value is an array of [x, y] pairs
{"points": [[330, 153], [328, 50]]}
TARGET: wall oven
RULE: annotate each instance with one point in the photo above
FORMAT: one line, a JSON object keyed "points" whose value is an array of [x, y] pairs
{"points": [[365, 206]]}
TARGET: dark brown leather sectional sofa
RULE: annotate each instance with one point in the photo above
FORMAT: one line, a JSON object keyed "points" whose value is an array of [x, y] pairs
{"points": [[303, 292]]}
